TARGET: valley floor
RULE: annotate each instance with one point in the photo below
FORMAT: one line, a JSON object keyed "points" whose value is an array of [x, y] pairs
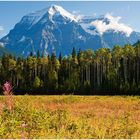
{"points": [[70, 117]]}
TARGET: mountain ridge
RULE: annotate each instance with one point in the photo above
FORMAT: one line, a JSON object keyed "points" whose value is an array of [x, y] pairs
{"points": [[54, 29]]}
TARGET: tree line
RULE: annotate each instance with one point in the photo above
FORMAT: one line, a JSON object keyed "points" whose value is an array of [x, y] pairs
{"points": [[104, 71]]}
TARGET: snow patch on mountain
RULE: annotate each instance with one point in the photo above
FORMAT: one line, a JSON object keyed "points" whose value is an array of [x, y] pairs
{"points": [[85, 22], [22, 39], [33, 17], [111, 23], [58, 9], [1, 44]]}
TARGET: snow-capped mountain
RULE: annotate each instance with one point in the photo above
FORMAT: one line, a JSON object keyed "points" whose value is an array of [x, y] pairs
{"points": [[48, 30], [110, 29], [55, 29], [105, 23]]}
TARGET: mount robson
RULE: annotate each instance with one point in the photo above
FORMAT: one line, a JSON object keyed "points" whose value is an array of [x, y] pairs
{"points": [[54, 29]]}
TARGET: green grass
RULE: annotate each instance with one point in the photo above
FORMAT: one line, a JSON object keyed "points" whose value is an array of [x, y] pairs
{"points": [[70, 117]]}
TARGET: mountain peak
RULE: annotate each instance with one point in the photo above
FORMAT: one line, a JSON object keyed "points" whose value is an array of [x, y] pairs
{"points": [[55, 9], [52, 29]]}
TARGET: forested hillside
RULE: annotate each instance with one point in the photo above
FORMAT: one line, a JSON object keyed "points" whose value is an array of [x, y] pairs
{"points": [[104, 71]]}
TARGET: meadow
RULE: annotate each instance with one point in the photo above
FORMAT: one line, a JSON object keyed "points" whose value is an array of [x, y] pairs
{"points": [[70, 117]]}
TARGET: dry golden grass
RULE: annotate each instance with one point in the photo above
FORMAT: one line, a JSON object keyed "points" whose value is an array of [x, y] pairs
{"points": [[71, 117]]}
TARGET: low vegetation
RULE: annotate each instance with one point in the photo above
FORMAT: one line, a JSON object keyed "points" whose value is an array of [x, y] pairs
{"points": [[70, 117]]}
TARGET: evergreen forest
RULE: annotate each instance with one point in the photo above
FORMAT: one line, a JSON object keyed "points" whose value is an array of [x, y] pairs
{"points": [[104, 72]]}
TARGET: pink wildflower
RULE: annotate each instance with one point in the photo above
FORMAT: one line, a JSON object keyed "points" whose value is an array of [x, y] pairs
{"points": [[7, 88], [7, 91]]}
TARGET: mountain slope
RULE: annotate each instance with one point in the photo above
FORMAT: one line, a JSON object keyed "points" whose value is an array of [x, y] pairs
{"points": [[56, 30], [3, 50], [110, 29]]}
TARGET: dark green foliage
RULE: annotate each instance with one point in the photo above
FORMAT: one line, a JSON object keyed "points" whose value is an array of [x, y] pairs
{"points": [[87, 72], [73, 53], [60, 58], [38, 54]]}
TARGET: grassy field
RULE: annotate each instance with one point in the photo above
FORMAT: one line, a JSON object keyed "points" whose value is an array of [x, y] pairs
{"points": [[70, 117]]}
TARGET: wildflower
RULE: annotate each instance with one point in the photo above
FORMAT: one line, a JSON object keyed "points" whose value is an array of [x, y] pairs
{"points": [[7, 91], [7, 88]]}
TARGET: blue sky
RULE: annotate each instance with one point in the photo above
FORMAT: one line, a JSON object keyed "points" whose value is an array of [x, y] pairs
{"points": [[12, 11]]}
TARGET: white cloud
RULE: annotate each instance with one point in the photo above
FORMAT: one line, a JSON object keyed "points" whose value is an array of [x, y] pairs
{"points": [[112, 24]]}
